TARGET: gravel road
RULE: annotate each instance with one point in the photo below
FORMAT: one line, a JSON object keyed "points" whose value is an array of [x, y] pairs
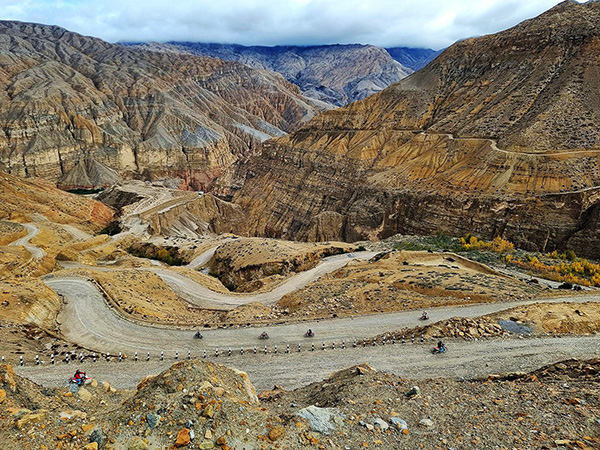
{"points": [[199, 295], [464, 360], [87, 320], [32, 230]]}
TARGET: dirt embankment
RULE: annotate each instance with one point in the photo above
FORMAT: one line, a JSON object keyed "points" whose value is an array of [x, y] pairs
{"points": [[404, 280], [556, 318], [248, 264], [204, 405]]}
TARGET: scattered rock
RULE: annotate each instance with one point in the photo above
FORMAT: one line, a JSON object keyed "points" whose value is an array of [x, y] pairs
{"points": [[368, 426], [413, 392], [219, 392], [363, 369], [208, 412], [91, 446], [320, 418], [137, 444], [97, 436], [276, 433], [399, 423], [84, 394], [183, 438], [2, 395], [32, 417], [427, 423], [380, 423], [72, 414], [152, 420]]}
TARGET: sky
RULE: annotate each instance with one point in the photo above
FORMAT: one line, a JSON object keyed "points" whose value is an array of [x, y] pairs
{"points": [[387, 23]]}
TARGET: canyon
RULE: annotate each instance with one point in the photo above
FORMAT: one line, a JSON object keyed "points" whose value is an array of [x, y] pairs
{"points": [[495, 137]]}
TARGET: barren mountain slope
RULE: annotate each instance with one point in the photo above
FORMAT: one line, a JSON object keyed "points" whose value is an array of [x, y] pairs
{"points": [[496, 136], [83, 112], [336, 74], [27, 199]]}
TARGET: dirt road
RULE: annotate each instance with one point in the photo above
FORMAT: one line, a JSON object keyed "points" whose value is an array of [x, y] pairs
{"points": [[463, 360], [199, 295], [88, 321], [32, 231]]}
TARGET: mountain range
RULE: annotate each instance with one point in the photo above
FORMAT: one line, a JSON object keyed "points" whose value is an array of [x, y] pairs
{"points": [[336, 74], [497, 136], [83, 113]]}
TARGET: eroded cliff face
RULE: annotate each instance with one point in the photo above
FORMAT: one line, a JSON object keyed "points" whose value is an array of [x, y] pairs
{"points": [[497, 136], [84, 113], [25, 200]]}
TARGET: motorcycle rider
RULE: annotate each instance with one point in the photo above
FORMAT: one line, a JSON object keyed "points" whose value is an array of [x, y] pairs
{"points": [[79, 377], [441, 347]]}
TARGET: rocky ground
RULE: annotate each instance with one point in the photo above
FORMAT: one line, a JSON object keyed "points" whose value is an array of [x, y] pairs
{"points": [[403, 280], [202, 405]]}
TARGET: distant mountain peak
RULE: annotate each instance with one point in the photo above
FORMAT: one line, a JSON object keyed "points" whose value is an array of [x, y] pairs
{"points": [[337, 74]]}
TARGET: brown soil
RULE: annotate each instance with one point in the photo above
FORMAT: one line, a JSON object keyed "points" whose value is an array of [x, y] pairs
{"points": [[403, 280], [554, 407], [556, 318]]}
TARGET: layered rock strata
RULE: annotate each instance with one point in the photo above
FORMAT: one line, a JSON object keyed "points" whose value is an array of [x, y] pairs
{"points": [[497, 136], [83, 113]]}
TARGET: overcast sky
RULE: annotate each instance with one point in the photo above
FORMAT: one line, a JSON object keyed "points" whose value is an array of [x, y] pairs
{"points": [[414, 23]]}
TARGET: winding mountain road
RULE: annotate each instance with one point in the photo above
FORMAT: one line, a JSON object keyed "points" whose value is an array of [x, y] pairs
{"points": [[87, 320], [199, 295], [32, 231]]}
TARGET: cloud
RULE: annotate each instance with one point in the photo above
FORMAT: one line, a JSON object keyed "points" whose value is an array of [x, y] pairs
{"points": [[426, 23]]}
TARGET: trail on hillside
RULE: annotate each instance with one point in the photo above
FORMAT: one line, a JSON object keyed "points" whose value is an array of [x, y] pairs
{"points": [[32, 231]]}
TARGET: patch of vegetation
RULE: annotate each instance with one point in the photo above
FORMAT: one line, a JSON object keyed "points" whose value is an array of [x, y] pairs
{"points": [[557, 266], [563, 267], [168, 255], [111, 229], [440, 242], [497, 245]]}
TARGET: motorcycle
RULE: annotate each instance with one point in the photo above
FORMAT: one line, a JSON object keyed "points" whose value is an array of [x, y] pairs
{"points": [[309, 334], [436, 350], [198, 335], [424, 316], [80, 381], [264, 335]]}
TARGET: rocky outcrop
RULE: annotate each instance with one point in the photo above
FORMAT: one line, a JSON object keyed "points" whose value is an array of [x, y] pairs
{"points": [[336, 74], [242, 263], [83, 113], [24, 199], [194, 214], [494, 137]]}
